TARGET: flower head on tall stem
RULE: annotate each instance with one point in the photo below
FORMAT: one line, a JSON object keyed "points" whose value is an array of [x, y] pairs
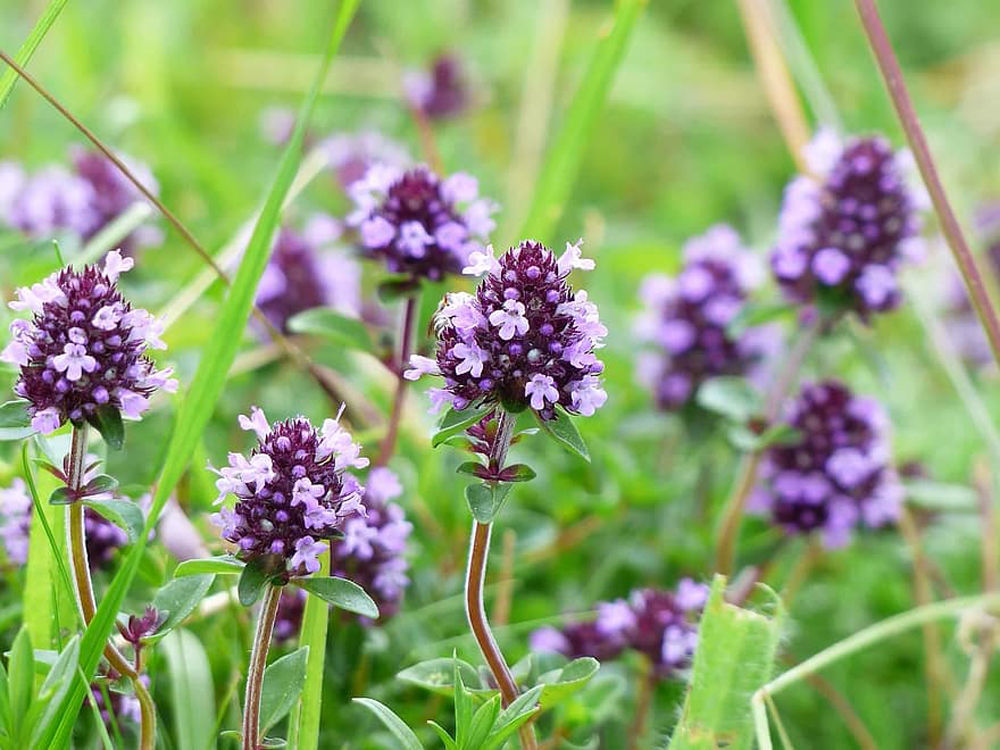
{"points": [[293, 492], [84, 350], [845, 229], [836, 475], [687, 319], [417, 223], [525, 339]]}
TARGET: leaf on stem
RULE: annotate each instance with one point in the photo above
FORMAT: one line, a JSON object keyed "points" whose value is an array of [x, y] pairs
{"points": [[456, 421], [125, 514], [561, 428], [341, 593], [222, 565]]}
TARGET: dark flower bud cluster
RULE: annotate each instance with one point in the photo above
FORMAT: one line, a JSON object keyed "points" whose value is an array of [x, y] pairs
{"points": [[306, 270], [85, 348], [844, 231], [371, 552], [662, 625], [836, 474], [15, 521], [82, 201], [440, 92], [417, 223], [137, 628], [525, 339], [292, 492], [687, 319]]}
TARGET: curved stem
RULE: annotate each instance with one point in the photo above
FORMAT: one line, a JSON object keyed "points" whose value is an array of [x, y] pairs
{"points": [[86, 601], [258, 662], [406, 343], [893, 75]]}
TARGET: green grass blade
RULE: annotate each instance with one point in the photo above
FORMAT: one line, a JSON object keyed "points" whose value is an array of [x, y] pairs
{"points": [[192, 693], [563, 162], [198, 405], [303, 729], [736, 650], [49, 16]]}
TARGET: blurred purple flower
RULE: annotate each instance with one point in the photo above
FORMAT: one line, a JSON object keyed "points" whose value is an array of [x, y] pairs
{"points": [[845, 229], [291, 608], [350, 155], [836, 473], [440, 92], [15, 521]]}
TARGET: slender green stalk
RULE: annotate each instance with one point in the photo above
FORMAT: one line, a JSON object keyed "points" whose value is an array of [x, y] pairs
{"points": [[889, 66], [880, 631], [303, 727], [258, 663], [48, 17]]}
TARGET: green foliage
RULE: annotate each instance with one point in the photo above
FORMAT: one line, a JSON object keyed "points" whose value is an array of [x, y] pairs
{"points": [[283, 681], [126, 514], [561, 428], [455, 422], [735, 657], [486, 499], [175, 601], [401, 733], [24, 53], [191, 689], [347, 595], [334, 327], [222, 565], [15, 423]]}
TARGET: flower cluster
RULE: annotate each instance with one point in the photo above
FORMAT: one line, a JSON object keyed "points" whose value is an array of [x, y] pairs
{"points": [[525, 339], [663, 625], [84, 350], [835, 474], [82, 201], [440, 92], [371, 552], [292, 492], [417, 223], [350, 155], [15, 522], [844, 230], [305, 271], [687, 317]]}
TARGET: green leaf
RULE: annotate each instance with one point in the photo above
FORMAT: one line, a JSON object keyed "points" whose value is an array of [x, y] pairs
{"points": [[735, 656], [21, 668], [518, 473], [561, 428], [57, 683], [175, 601], [341, 593], [126, 514], [282, 684], [255, 576], [198, 405], [303, 727], [6, 720], [107, 420], [559, 684], [514, 717], [222, 565], [437, 675], [192, 693], [333, 326], [463, 703], [456, 421], [558, 175], [442, 733], [100, 484], [482, 722], [486, 500], [62, 496], [748, 441], [26, 50], [472, 468], [732, 397], [15, 423], [403, 734]]}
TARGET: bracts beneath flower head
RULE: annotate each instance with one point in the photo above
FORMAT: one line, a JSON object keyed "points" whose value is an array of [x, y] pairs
{"points": [[293, 492], [525, 339], [84, 350]]}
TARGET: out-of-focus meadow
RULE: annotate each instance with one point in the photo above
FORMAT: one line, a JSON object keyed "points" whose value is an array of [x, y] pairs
{"points": [[685, 140]]}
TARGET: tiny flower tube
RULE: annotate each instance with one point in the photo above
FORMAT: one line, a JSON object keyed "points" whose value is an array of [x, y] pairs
{"points": [[525, 339], [292, 493], [84, 348]]}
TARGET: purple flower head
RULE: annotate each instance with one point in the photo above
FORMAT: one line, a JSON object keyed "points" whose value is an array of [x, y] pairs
{"points": [[525, 339], [292, 492], [81, 202], [836, 474], [305, 271], [85, 347], [371, 552], [844, 231], [291, 609], [15, 521], [686, 319], [666, 625], [350, 155], [417, 223], [440, 92], [137, 628], [577, 640]]}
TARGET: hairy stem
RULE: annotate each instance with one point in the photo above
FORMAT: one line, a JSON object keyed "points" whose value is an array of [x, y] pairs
{"points": [[644, 700], [406, 344], [77, 549], [258, 662], [893, 75]]}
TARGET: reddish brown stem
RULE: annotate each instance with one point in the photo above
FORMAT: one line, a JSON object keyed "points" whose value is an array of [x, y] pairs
{"points": [[406, 344], [889, 66], [644, 701], [258, 663]]}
